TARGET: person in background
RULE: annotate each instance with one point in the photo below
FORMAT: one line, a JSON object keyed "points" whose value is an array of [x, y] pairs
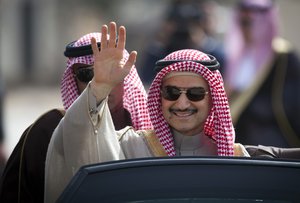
{"points": [[188, 24], [23, 177], [262, 77], [187, 104]]}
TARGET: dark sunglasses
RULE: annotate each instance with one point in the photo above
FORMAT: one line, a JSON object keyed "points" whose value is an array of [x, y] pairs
{"points": [[172, 93], [84, 74]]}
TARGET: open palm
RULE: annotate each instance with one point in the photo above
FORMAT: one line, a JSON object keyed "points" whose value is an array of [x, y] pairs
{"points": [[110, 67]]}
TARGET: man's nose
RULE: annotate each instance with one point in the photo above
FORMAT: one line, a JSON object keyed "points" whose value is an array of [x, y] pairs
{"points": [[183, 102]]}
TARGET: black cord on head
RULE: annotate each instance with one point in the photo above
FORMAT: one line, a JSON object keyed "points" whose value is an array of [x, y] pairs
{"points": [[211, 64], [72, 51]]}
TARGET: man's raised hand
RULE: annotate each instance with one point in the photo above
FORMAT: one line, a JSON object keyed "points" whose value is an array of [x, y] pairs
{"points": [[110, 67]]}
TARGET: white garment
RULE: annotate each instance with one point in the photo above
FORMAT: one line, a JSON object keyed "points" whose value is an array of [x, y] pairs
{"points": [[245, 74], [83, 137], [197, 145]]}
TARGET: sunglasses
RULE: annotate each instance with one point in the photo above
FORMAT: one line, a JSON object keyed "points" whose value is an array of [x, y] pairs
{"points": [[172, 93], [84, 74]]}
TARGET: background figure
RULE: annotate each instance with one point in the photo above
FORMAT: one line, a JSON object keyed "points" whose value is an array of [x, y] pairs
{"points": [[188, 24], [23, 177], [262, 77]]}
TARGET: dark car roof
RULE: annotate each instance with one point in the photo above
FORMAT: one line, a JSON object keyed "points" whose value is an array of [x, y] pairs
{"points": [[219, 179]]}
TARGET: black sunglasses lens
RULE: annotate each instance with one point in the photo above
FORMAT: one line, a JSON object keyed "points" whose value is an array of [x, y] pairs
{"points": [[170, 93], [85, 74], [193, 94], [196, 93]]}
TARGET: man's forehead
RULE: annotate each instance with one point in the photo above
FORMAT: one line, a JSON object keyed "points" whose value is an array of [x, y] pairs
{"points": [[185, 80], [179, 73]]}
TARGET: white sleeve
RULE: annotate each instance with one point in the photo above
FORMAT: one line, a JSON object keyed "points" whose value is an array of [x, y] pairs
{"points": [[84, 136]]}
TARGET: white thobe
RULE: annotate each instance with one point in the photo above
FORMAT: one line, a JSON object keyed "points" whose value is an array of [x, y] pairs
{"points": [[84, 136]]}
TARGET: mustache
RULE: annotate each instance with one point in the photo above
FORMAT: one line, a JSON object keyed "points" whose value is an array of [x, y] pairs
{"points": [[172, 110]]}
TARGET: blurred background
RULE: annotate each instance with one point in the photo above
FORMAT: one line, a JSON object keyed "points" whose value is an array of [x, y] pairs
{"points": [[34, 33]]}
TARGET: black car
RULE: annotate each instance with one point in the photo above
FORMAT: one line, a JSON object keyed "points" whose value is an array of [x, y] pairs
{"points": [[187, 179]]}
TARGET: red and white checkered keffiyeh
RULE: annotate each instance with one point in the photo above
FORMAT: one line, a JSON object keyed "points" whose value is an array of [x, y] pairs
{"points": [[134, 98], [218, 124]]}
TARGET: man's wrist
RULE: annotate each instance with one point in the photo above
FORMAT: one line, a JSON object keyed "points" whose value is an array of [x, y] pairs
{"points": [[100, 91]]}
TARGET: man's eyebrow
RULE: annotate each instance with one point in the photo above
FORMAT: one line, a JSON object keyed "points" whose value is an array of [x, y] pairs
{"points": [[179, 87]]}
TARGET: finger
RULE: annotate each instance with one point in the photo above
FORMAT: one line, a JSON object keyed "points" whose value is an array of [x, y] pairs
{"points": [[131, 60], [94, 46], [112, 35], [122, 38], [104, 37]]}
